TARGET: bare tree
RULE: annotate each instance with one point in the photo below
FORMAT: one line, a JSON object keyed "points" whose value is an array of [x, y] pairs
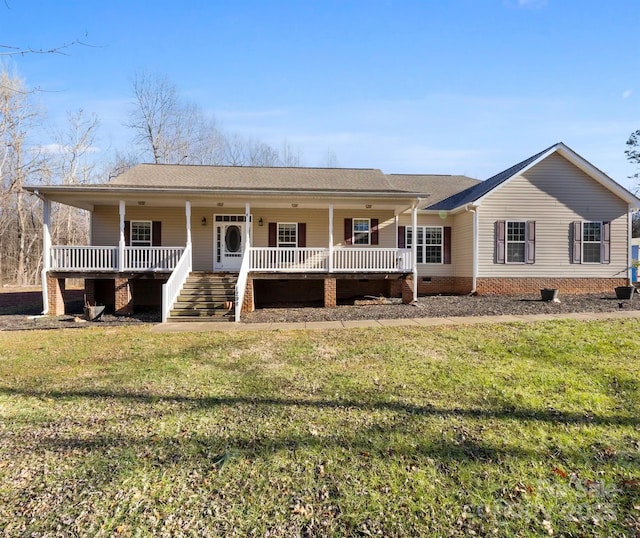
{"points": [[172, 130], [19, 164], [72, 163]]}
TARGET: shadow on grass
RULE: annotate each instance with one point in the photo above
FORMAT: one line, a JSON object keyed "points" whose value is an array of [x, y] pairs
{"points": [[550, 415]]}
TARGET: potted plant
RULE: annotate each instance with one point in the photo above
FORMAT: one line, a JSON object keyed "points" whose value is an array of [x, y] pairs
{"points": [[625, 292]]}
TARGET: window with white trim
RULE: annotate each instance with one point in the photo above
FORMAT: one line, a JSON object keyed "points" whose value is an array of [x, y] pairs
{"points": [[429, 243], [591, 242], [361, 231], [287, 234], [516, 241], [141, 233]]}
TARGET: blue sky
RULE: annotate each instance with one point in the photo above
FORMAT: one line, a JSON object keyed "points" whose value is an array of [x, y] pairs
{"points": [[407, 86]]}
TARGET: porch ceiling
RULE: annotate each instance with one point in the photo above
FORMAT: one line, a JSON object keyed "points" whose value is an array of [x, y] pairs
{"points": [[88, 198]]}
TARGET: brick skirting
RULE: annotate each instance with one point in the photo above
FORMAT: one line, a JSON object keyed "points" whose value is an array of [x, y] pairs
{"points": [[55, 295], [515, 286]]}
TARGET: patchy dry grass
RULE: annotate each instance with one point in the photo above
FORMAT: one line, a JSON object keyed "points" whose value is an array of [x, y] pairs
{"points": [[499, 430]]}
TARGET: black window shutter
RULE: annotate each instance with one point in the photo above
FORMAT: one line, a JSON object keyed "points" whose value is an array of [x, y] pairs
{"points": [[402, 237], [374, 231], [273, 231], [348, 229], [446, 244], [531, 242], [156, 233], [576, 255], [302, 234], [500, 241], [606, 242], [127, 232]]}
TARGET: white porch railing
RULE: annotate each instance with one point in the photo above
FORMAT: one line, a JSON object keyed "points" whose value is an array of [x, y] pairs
{"points": [[171, 288], [75, 258], [89, 258], [346, 260], [371, 259], [151, 258], [241, 284], [289, 259]]}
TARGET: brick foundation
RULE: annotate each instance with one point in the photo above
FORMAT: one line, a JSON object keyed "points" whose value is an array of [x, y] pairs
{"points": [[55, 295], [330, 292], [407, 290], [123, 297], [515, 286], [248, 304]]}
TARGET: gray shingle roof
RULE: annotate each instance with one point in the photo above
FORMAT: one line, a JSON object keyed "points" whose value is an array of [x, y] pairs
{"points": [[439, 187], [471, 194], [258, 178]]}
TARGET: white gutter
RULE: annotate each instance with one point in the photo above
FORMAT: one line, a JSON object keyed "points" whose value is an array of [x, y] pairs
{"points": [[46, 250], [474, 279]]}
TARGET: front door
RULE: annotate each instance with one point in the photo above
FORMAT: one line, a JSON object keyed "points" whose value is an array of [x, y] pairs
{"points": [[229, 242]]}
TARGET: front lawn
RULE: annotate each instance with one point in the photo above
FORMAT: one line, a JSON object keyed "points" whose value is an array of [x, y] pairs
{"points": [[499, 430]]}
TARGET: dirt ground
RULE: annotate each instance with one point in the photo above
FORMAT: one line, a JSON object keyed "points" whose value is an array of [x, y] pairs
{"points": [[20, 309]]}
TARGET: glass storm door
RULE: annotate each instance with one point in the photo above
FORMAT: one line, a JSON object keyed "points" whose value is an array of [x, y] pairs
{"points": [[229, 242]]}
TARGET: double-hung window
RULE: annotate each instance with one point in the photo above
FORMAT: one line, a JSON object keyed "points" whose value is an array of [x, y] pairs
{"points": [[516, 241], [429, 243], [288, 234], [141, 233], [361, 231], [591, 242]]}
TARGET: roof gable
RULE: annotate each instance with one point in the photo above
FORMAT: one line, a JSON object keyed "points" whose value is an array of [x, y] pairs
{"points": [[476, 193]]}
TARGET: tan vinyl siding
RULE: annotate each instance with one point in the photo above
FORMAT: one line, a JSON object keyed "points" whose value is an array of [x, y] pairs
{"points": [[434, 269], [386, 226], [317, 221], [462, 244], [554, 193], [105, 224]]}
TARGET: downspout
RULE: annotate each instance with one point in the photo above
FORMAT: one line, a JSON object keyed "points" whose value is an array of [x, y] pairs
{"points": [[474, 278], [629, 241]]}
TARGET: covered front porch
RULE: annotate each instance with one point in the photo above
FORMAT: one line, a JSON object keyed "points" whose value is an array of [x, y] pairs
{"points": [[244, 238]]}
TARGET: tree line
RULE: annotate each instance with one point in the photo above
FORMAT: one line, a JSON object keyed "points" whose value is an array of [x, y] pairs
{"points": [[165, 128]]}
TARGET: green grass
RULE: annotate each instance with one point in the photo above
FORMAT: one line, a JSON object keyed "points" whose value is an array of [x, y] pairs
{"points": [[497, 430]]}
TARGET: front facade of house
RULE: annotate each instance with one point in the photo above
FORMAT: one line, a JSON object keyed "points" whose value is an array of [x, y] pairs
{"points": [[298, 235]]}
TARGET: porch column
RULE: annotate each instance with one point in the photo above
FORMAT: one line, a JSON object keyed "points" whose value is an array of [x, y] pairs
{"points": [[46, 252], [331, 238], [121, 242], [187, 213], [247, 228], [414, 249]]}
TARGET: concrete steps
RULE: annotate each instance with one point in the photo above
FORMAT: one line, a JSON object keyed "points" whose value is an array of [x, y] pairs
{"points": [[206, 297]]}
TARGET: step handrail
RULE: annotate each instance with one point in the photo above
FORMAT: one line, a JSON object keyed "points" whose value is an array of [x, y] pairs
{"points": [[171, 289]]}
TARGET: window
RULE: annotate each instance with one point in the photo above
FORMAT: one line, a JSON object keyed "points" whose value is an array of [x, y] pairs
{"points": [[140, 233], [361, 231], [429, 243], [516, 242], [287, 234], [591, 242]]}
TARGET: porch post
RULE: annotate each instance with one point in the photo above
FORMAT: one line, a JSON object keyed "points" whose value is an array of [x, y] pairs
{"points": [[46, 252], [121, 242], [187, 212], [414, 249], [247, 221], [331, 238]]}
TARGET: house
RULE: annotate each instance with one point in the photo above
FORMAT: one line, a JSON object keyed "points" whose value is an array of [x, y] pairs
{"points": [[216, 240]]}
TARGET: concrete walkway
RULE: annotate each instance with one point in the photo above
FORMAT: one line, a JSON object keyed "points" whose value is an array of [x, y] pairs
{"points": [[204, 326]]}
